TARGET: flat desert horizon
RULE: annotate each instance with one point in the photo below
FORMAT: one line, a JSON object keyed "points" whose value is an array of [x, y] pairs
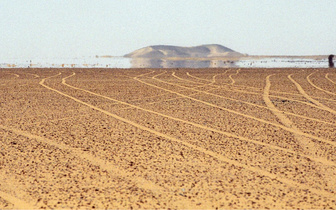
{"points": [[208, 138]]}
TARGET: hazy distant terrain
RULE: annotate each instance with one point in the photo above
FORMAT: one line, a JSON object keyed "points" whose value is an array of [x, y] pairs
{"points": [[167, 51]]}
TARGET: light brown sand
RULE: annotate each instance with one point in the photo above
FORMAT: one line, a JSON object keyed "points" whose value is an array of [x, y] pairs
{"points": [[175, 138]]}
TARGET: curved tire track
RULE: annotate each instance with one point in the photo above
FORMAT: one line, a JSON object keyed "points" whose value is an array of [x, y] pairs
{"points": [[200, 149], [142, 183], [307, 145], [232, 80], [241, 101], [315, 86], [200, 126], [236, 112], [274, 96], [35, 75], [15, 75], [327, 77], [304, 94], [179, 78], [260, 90]]}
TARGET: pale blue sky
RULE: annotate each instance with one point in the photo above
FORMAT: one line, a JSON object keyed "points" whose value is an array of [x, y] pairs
{"points": [[71, 28]]}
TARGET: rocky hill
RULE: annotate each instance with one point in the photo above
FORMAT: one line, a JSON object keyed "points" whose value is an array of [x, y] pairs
{"points": [[168, 51]]}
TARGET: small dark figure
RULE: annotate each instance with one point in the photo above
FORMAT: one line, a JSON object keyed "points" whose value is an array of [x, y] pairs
{"points": [[331, 63]]}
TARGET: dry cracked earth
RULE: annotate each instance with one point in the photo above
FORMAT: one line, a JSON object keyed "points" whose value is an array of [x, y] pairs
{"points": [[176, 138]]}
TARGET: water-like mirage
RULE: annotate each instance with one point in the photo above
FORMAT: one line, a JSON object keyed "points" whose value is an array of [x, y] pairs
{"points": [[122, 62]]}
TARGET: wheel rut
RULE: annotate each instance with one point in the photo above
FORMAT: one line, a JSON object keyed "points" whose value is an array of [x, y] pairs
{"points": [[315, 86], [241, 101], [232, 80], [200, 149], [237, 113], [198, 125], [259, 92], [274, 96], [307, 145], [327, 77], [117, 171], [304, 94]]}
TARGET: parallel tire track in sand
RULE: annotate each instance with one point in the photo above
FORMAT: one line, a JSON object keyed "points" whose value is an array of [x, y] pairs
{"points": [[143, 183], [200, 149], [183, 172], [237, 113], [252, 104], [165, 100], [274, 96], [201, 126], [304, 94], [305, 143], [173, 74], [211, 81], [258, 90], [315, 86]]}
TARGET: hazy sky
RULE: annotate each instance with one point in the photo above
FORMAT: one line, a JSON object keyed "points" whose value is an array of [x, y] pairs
{"points": [[71, 28]]}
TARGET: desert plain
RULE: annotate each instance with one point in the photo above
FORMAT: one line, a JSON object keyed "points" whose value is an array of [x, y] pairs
{"points": [[168, 138]]}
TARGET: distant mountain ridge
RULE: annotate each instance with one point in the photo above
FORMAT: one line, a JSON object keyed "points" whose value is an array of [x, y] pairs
{"points": [[169, 51]]}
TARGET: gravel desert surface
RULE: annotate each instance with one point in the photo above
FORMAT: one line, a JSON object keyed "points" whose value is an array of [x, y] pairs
{"points": [[168, 138]]}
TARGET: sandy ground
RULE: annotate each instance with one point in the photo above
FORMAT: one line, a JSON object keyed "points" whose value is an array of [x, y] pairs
{"points": [[178, 138]]}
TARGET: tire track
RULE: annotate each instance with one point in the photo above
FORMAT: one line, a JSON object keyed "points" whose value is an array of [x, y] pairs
{"points": [[198, 77], [142, 183], [139, 181], [327, 77], [207, 80], [103, 164], [211, 81], [198, 125], [18, 203], [35, 75], [260, 90], [135, 100], [237, 113], [213, 154], [283, 119], [244, 102], [161, 101], [310, 82], [274, 96], [203, 85], [227, 84], [141, 75], [58, 119], [13, 74], [306, 144], [304, 94], [173, 74], [230, 76], [65, 118], [12, 195], [165, 100]]}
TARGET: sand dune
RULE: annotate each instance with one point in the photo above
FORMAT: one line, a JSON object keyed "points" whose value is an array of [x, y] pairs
{"points": [[168, 138], [167, 51]]}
